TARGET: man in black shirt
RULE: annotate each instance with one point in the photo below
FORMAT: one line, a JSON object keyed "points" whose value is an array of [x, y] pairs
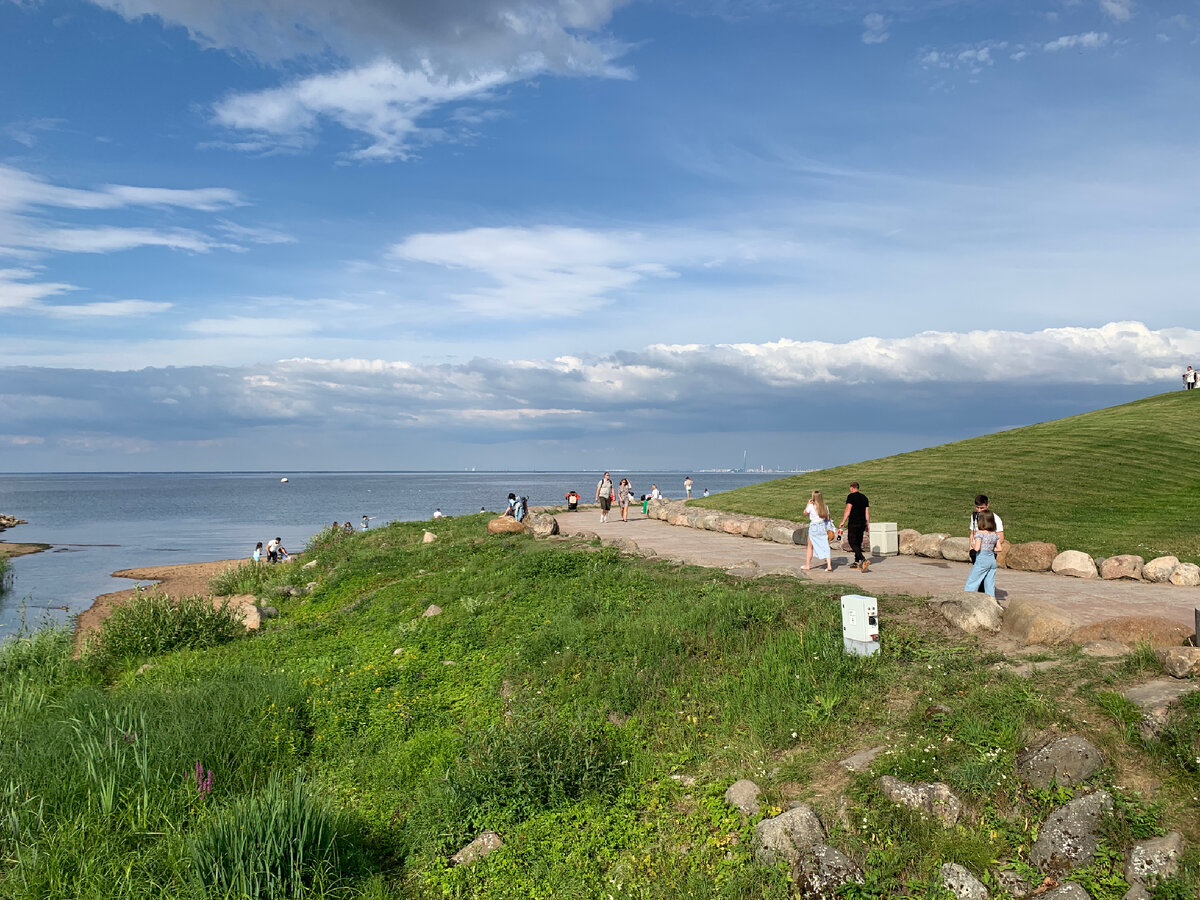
{"points": [[858, 514]]}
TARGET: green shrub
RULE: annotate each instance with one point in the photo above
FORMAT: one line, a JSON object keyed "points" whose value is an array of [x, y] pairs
{"points": [[154, 624], [531, 762], [280, 842]]}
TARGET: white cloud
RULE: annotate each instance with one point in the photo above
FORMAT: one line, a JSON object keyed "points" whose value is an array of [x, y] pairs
{"points": [[1089, 40], [28, 131], [1120, 10], [107, 309], [253, 234], [544, 272], [876, 28], [112, 239], [21, 190], [20, 292], [250, 326], [381, 101]]}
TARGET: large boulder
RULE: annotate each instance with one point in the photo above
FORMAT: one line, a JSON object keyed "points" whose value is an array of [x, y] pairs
{"points": [[1126, 565], [543, 525], [956, 549], [907, 538], [824, 870], [1179, 662], [1070, 835], [788, 836], [1067, 761], [930, 545], [1034, 556], [1186, 575], [246, 607], [934, 799], [969, 610], [755, 527], [1074, 563], [1036, 622], [785, 533], [1150, 861], [506, 525], [1160, 569]]}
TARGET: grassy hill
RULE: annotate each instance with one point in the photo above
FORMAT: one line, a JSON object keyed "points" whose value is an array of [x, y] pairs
{"points": [[1119, 480]]}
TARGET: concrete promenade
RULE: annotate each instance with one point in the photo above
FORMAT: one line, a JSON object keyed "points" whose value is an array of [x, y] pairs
{"points": [[1086, 601]]}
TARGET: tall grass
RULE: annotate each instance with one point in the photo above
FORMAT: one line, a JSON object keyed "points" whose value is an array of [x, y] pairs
{"points": [[151, 624]]}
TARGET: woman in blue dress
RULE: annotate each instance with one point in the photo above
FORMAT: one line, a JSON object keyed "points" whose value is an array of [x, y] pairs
{"points": [[984, 545], [818, 538]]}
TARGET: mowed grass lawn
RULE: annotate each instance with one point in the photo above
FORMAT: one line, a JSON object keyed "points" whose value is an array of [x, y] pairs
{"points": [[1119, 480]]}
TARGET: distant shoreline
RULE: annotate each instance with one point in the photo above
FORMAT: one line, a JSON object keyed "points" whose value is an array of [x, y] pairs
{"points": [[11, 550]]}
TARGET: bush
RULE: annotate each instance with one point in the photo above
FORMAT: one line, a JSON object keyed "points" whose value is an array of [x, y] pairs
{"points": [[154, 624], [280, 842]]}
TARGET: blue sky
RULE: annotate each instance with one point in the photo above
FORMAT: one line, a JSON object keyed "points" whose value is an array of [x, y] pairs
{"points": [[584, 233]]}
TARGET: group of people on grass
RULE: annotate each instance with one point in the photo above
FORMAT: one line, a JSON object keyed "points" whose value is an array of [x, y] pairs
{"points": [[274, 552]]}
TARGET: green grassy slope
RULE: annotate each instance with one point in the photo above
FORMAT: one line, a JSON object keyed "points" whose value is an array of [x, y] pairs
{"points": [[1119, 480]]}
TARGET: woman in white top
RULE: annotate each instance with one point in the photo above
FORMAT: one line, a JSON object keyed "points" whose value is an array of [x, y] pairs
{"points": [[818, 541]]}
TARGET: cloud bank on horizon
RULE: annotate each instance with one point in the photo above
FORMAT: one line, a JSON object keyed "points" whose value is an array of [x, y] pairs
{"points": [[540, 230]]}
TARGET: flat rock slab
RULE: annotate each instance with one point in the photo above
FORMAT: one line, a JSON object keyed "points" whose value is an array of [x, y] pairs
{"points": [[861, 761], [1104, 649], [1067, 761], [968, 610], [1154, 699], [935, 799], [1068, 838], [477, 849], [1151, 860]]}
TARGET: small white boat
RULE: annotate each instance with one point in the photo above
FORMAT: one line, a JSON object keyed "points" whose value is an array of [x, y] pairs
{"points": [[283, 481]]}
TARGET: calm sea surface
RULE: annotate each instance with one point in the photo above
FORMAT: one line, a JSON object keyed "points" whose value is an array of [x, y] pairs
{"points": [[98, 523]]}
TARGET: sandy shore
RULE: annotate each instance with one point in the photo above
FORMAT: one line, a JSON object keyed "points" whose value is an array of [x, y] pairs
{"points": [[175, 581], [7, 549]]}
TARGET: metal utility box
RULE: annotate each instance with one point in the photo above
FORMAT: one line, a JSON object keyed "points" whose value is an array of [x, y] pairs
{"points": [[860, 625], [885, 539]]}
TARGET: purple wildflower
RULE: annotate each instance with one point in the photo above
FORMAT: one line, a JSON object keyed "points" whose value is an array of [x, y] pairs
{"points": [[204, 780]]}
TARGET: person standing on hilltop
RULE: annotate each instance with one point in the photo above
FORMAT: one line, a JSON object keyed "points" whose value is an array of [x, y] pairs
{"points": [[687, 486], [1189, 378], [858, 515], [604, 496]]}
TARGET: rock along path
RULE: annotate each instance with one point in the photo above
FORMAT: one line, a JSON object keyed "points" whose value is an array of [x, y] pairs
{"points": [[1085, 601]]}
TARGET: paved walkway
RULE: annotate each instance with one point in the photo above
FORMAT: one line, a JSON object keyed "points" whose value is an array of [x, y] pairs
{"points": [[1084, 600]]}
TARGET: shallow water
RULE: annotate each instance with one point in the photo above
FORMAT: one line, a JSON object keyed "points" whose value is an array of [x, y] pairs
{"points": [[99, 523]]}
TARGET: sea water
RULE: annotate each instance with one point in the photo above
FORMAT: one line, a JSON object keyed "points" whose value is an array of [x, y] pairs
{"points": [[99, 523]]}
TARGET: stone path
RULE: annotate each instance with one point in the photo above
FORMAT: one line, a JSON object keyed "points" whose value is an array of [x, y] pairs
{"points": [[1086, 601]]}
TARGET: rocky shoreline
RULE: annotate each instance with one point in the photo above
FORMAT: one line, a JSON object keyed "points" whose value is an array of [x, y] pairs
{"points": [[10, 522]]}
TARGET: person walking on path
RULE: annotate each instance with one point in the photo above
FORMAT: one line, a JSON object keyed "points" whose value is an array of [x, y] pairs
{"points": [[624, 495], [981, 505], [819, 524], [1189, 378], [983, 572], [858, 517], [687, 486], [604, 496]]}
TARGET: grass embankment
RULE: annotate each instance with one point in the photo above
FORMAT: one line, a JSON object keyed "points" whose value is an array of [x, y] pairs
{"points": [[1119, 480], [560, 699]]}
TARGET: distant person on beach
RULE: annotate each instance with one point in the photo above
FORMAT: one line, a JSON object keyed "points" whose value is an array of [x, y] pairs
{"points": [[655, 493], [858, 515], [624, 495], [273, 550], [437, 513], [604, 496], [983, 572], [348, 528], [1189, 378], [281, 553], [706, 492], [819, 525], [482, 508], [258, 551], [366, 522], [981, 505], [572, 499], [337, 526], [687, 486]]}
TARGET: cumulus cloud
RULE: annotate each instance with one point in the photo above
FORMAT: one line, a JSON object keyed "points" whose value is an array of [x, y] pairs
{"points": [[1120, 10], [907, 382], [544, 272], [1090, 40], [876, 28], [393, 62]]}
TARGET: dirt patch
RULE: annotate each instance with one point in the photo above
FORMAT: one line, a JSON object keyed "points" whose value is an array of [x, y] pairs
{"points": [[185, 580], [10, 550]]}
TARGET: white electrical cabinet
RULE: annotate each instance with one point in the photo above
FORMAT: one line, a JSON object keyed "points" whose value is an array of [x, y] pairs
{"points": [[885, 539], [860, 625]]}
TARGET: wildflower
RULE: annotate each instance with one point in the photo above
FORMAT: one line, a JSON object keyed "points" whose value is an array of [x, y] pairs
{"points": [[204, 780]]}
